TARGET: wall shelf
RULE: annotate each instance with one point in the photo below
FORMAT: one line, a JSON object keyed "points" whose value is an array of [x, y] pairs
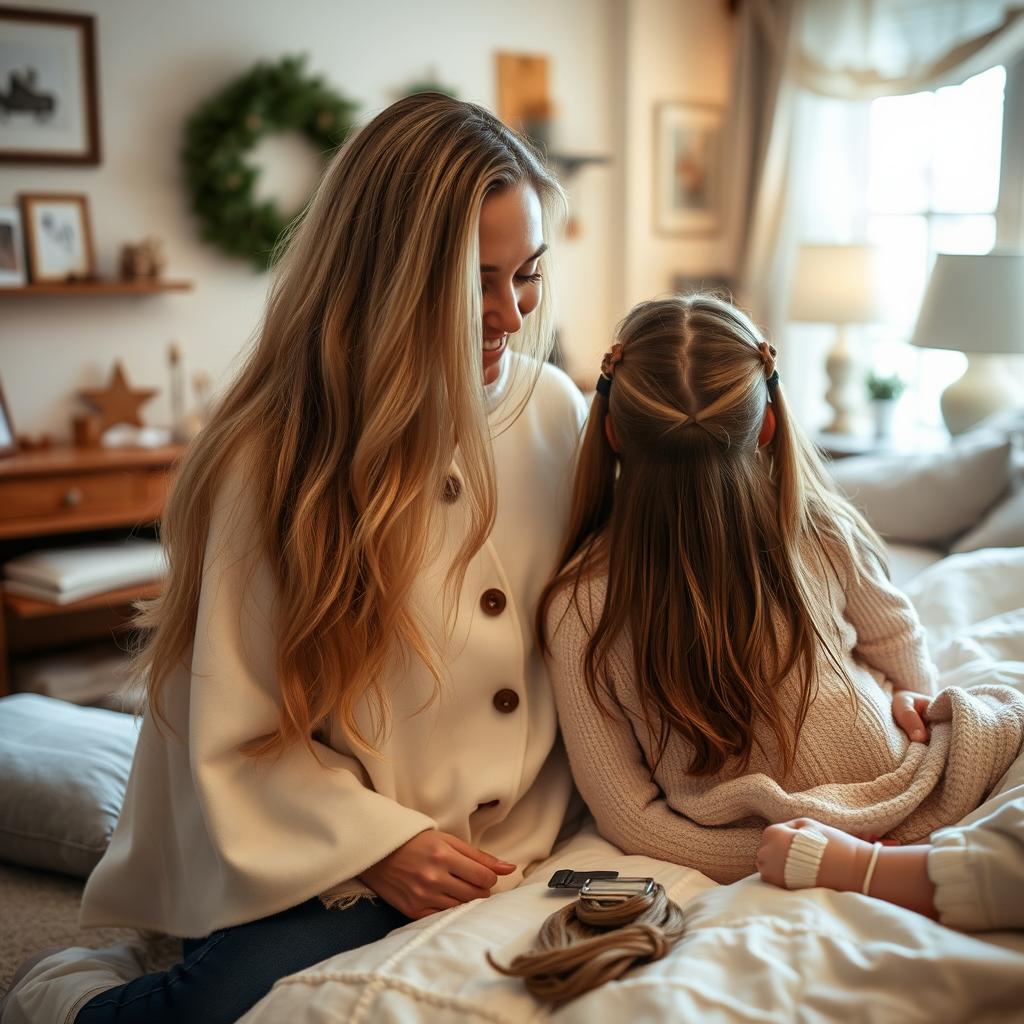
{"points": [[93, 288], [30, 608]]}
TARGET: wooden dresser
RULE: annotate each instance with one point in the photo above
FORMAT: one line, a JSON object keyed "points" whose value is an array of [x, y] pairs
{"points": [[55, 497]]}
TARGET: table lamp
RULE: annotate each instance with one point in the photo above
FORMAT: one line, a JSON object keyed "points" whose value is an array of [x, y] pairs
{"points": [[838, 284], [975, 305]]}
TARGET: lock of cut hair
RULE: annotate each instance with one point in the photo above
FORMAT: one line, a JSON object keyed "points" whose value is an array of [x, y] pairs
{"points": [[583, 945]]}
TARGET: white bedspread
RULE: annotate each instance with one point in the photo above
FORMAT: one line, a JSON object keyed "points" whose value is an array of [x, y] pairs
{"points": [[751, 952]]}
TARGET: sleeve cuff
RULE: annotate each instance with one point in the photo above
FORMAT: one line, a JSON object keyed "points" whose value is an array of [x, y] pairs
{"points": [[957, 899]]}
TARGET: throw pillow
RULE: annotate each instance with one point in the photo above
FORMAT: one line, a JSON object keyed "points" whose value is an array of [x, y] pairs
{"points": [[64, 770], [928, 498]]}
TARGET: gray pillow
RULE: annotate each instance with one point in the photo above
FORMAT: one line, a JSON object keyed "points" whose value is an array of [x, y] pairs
{"points": [[63, 772], [932, 497]]}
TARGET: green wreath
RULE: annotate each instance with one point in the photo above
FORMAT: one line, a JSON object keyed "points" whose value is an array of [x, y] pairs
{"points": [[268, 99]]}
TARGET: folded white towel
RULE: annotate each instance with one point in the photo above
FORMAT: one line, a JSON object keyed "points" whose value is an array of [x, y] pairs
{"points": [[62, 575]]}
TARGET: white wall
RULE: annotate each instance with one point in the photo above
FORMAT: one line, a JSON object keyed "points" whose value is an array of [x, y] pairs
{"points": [[611, 62], [675, 51], [157, 61]]}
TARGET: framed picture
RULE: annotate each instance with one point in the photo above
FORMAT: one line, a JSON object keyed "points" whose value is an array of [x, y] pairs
{"points": [[8, 439], [49, 113], [687, 168], [58, 236], [12, 249]]}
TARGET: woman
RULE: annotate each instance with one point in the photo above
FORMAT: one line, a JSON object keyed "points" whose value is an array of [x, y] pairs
{"points": [[344, 696]]}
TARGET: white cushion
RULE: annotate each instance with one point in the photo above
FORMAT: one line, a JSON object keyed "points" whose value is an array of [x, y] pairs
{"points": [[907, 560], [1003, 527], [929, 498], [64, 770]]}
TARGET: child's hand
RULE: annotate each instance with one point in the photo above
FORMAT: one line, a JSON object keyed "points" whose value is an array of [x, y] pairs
{"points": [[908, 709], [434, 871], [842, 866]]}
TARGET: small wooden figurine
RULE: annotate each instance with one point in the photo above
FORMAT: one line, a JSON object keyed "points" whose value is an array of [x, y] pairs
{"points": [[143, 261]]}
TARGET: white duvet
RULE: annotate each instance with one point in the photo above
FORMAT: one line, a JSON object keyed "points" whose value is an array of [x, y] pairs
{"points": [[751, 952]]}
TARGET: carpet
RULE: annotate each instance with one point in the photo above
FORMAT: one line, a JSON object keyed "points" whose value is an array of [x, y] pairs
{"points": [[40, 909]]}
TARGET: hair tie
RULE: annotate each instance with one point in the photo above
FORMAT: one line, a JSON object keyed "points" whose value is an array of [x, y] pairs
{"points": [[611, 359], [773, 383]]}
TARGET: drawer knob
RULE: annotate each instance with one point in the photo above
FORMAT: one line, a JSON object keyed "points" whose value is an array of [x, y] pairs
{"points": [[72, 497]]}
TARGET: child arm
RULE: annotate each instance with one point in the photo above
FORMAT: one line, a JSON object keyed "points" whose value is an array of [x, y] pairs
{"points": [[890, 637], [969, 877]]}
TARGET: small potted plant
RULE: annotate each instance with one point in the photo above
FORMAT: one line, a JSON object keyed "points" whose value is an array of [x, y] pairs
{"points": [[885, 393]]}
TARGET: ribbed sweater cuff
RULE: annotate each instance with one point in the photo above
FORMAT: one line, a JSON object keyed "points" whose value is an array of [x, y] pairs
{"points": [[804, 858], [957, 899]]}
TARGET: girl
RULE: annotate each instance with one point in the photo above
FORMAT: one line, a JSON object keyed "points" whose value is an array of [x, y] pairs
{"points": [[725, 640], [345, 700]]}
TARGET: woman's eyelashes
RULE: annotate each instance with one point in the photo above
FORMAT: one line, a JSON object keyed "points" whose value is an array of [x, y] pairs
{"points": [[535, 278]]}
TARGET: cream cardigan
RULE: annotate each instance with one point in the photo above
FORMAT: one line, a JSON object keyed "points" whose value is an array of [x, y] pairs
{"points": [[855, 770], [209, 837]]}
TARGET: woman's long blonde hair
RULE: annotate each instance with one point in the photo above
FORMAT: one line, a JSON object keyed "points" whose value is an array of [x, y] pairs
{"points": [[344, 418], [709, 542]]}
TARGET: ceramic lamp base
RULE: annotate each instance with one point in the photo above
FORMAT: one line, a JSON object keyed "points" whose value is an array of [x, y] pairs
{"points": [[843, 374], [985, 388]]}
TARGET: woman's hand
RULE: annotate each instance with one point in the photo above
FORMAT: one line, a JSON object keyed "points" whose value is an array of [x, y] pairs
{"points": [[434, 871], [908, 709], [843, 864]]}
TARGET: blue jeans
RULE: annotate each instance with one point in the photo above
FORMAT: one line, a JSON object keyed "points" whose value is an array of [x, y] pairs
{"points": [[226, 973]]}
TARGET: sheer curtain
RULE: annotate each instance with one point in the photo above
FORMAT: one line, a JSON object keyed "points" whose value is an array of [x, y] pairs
{"points": [[805, 72]]}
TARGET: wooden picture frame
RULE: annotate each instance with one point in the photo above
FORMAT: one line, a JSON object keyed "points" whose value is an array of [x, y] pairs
{"points": [[12, 249], [48, 89], [8, 438], [687, 168], [58, 237]]}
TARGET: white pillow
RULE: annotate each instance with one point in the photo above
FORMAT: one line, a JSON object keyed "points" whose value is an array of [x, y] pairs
{"points": [[1003, 527], [928, 498]]}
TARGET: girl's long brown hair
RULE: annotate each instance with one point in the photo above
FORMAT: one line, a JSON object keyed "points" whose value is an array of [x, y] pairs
{"points": [[711, 545], [343, 420]]}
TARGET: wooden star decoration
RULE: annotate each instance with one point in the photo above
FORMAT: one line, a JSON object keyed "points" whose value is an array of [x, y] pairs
{"points": [[118, 402]]}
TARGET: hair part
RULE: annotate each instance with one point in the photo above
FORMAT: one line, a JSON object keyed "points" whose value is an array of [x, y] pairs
{"points": [[365, 375], [712, 545]]}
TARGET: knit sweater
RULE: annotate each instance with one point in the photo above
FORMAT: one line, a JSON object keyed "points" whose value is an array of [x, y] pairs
{"points": [[854, 768]]}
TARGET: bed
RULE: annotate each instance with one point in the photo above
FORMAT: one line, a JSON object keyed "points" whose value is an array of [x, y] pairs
{"points": [[751, 952]]}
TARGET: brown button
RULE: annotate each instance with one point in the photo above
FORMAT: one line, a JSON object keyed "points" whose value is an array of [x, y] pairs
{"points": [[452, 489], [493, 602], [506, 701]]}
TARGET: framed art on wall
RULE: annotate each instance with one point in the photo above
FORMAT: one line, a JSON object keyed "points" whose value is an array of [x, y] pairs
{"points": [[49, 111], [58, 237], [12, 249], [687, 164]]}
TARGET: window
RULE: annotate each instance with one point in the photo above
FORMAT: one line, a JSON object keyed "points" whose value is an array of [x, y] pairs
{"points": [[933, 186]]}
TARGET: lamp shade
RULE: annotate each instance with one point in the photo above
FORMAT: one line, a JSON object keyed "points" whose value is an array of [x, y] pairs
{"points": [[837, 284], [974, 304]]}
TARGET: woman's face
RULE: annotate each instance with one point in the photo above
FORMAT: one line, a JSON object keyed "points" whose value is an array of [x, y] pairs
{"points": [[511, 242]]}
